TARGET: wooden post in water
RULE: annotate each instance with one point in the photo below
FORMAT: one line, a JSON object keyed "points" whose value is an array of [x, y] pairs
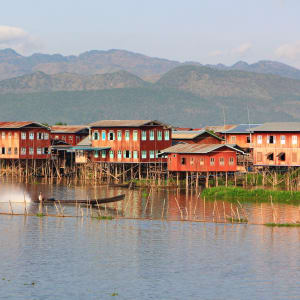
{"points": [[186, 180]]}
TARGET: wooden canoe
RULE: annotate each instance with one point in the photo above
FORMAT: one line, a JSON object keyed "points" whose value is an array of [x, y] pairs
{"points": [[91, 201]]}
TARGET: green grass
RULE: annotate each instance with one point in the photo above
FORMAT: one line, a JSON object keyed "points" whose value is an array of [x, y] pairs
{"points": [[282, 224], [235, 194], [40, 215], [103, 218]]}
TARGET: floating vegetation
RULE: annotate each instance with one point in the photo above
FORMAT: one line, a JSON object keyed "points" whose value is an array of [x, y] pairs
{"points": [[115, 294], [235, 194], [103, 218], [235, 220], [40, 215], [282, 224]]}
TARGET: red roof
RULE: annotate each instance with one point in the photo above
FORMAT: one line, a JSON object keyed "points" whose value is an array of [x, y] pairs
{"points": [[14, 125]]}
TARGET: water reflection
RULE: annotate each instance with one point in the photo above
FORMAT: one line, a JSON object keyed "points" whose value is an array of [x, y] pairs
{"points": [[163, 204]]}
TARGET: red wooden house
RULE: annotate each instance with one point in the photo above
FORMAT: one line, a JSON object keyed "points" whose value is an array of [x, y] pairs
{"points": [[24, 140], [130, 141], [70, 134], [277, 144], [195, 137], [204, 158]]}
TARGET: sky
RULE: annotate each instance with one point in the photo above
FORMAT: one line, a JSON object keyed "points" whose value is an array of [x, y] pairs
{"points": [[206, 31]]}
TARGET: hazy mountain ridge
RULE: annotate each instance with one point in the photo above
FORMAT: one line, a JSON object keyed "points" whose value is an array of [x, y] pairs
{"points": [[93, 62]]}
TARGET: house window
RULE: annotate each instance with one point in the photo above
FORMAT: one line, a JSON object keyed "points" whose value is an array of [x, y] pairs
{"points": [[167, 135], [202, 161], [56, 137], [3, 150], [144, 154], [23, 135], [270, 156], [183, 160], [282, 139], [192, 160], [119, 135], [135, 135], [271, 139], [248, 139], [233, 139], [281, 156], [111, 136], [119, 154], [9, 150], [221, 161], [46, 136], [39, 135], [3, 134], [127, 154], [294, 157], [294, 140], [151, 154], [77, 139], [231, 161], [23, 151], [103, 135], [103, 153], [127, 135], [157, 153], [64, 138], [71, 139], [96, 135], [96, 153], [111, 154], [45, 150], [151, 138], [9, 135], [39, 151], [259, 156], [135, 154], [31, 152], [144, 135], [159, 135], [16, 135], [212, 161], [259, 139]]}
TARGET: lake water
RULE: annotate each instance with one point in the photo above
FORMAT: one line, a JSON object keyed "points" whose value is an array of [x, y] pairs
{"points": [[146, 253]]}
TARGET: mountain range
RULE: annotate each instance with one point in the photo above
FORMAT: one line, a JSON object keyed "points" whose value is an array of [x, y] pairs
{"points": [[125, 85]]}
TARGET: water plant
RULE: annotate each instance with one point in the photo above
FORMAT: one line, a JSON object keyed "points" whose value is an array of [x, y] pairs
{"points": [[235, 220], [282, 224], [40, 215], [235, 194], [103, 217]]}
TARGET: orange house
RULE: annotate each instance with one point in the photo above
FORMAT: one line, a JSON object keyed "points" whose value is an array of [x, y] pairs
{"points": [[24, 140], [129, 141], [202, 158], [277, 144], [70, 134]]}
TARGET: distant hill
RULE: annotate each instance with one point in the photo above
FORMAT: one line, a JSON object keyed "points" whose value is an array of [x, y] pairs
{"points": [[41, 82], [264, 67], [94, 62]]}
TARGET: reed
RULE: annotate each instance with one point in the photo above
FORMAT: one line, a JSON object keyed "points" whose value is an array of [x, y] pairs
{"points": [[236, 194], [239, 220]]}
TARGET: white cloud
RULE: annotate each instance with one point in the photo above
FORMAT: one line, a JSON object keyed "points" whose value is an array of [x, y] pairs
{"points": [[216, 53], [18, 39], [289, 51], [242, 49]]}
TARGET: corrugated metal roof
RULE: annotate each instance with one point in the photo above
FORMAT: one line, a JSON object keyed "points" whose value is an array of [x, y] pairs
{"points": [[67, 128], [14, 125], [278, 126], [190, 135], [85, 142], [221, 128], [242, 128], [185, 148], [126, 123]]}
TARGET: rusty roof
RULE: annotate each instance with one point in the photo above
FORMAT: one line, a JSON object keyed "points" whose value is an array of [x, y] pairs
{"points": [[67, 128], [190, 135], [21, 124], [185, 148], [126, 123]]}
